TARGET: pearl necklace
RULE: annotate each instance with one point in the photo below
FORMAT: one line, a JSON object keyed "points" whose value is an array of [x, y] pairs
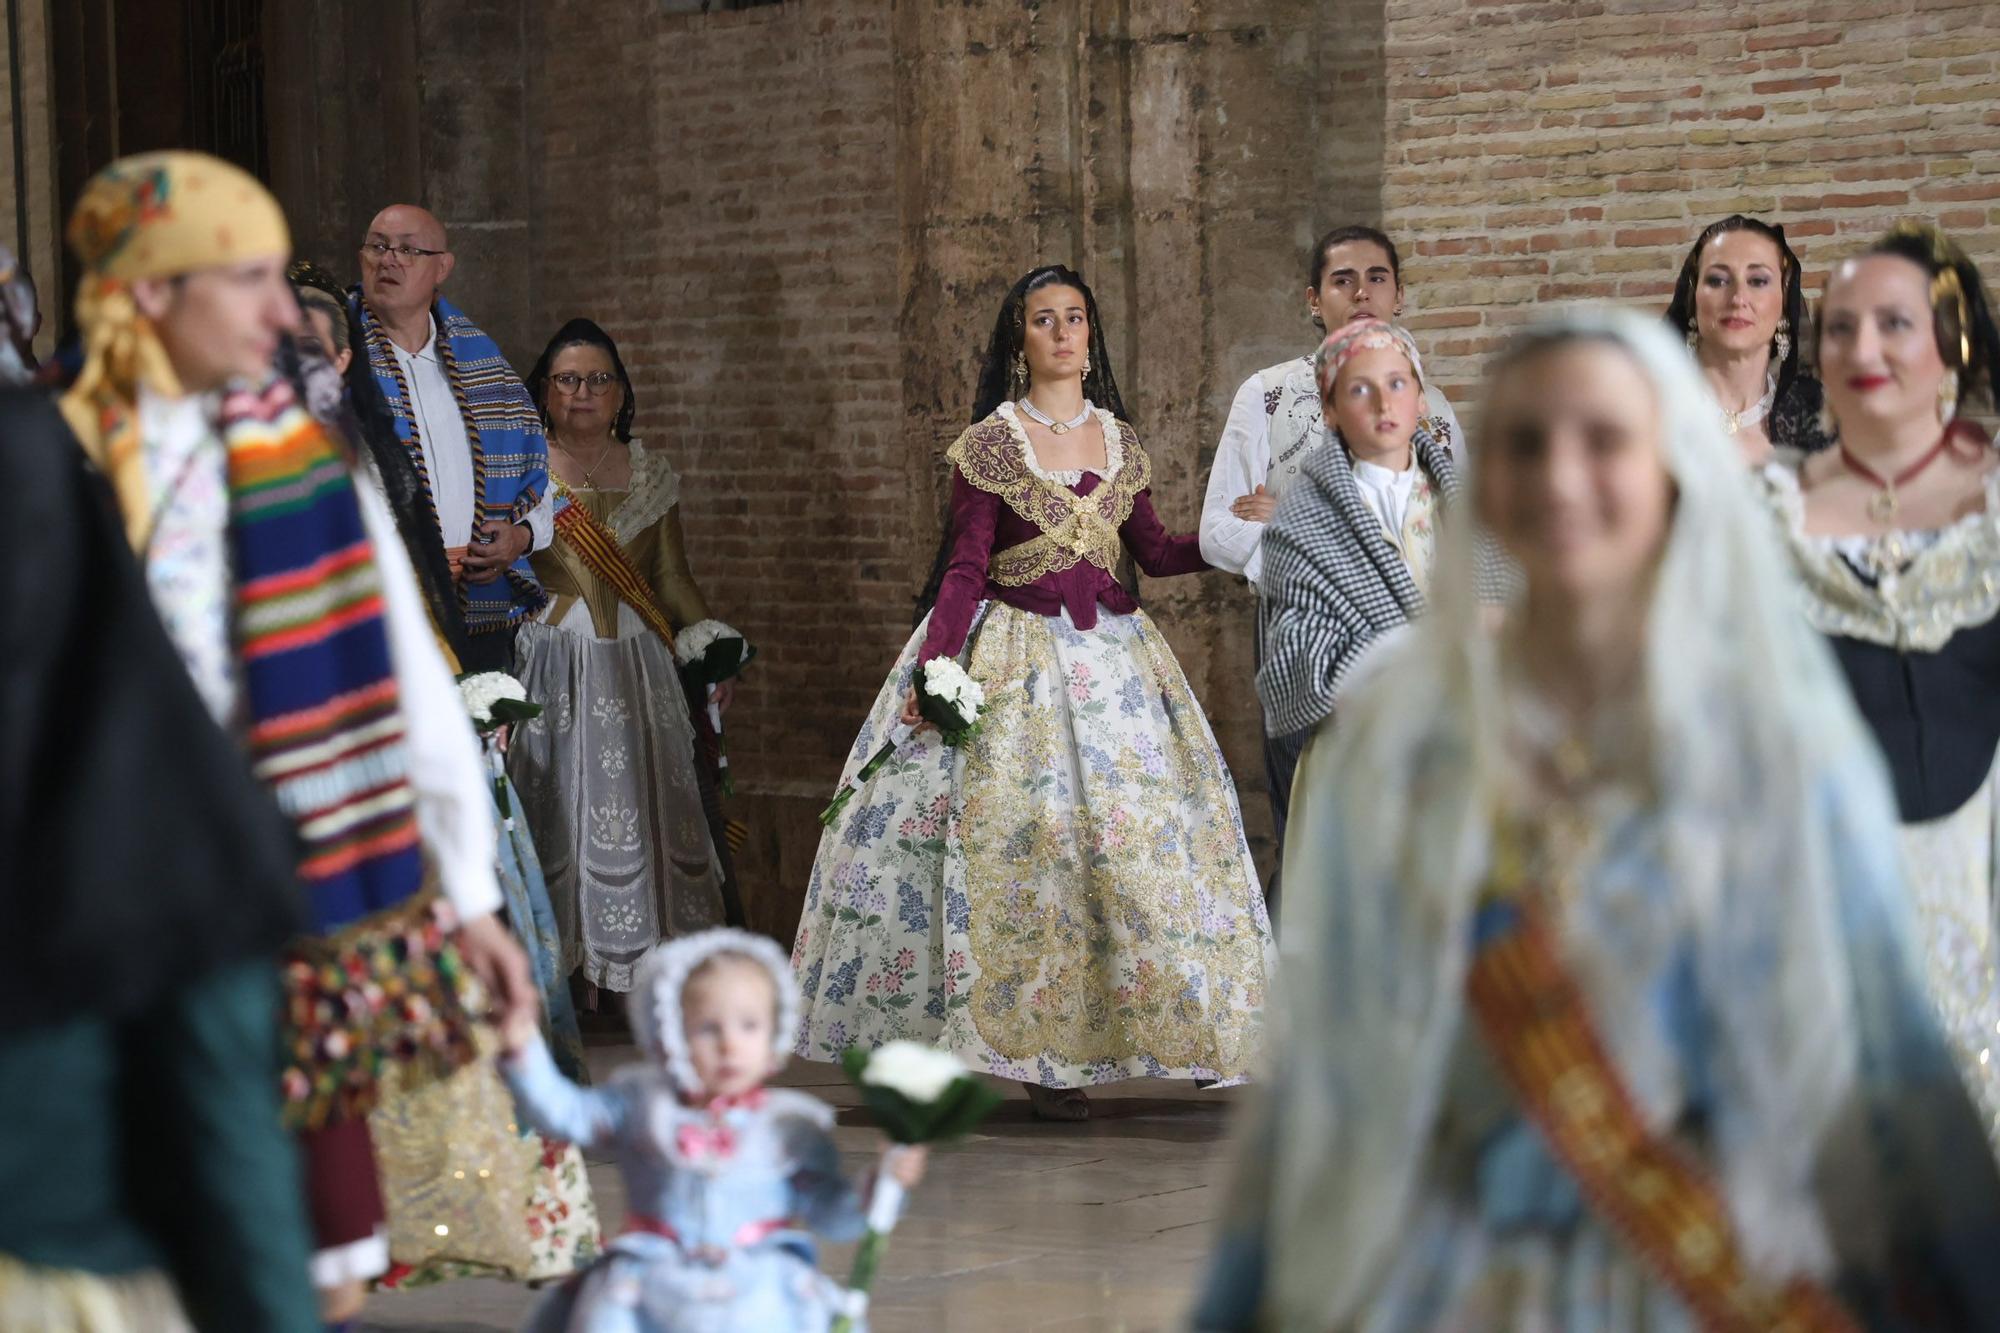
{"points": [[1751, 415], [1057, 427]]}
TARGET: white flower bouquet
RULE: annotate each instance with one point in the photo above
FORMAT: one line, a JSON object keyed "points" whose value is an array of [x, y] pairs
{"points": [[494, 700], [918, 1095], [712, 652], [708, 653], [947, 698]]}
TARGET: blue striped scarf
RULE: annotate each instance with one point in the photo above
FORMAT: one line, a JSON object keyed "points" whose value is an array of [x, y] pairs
{"points": [[510, 456]]}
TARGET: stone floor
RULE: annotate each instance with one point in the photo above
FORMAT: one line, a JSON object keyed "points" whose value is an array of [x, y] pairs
{"points": [[1025, 1226]]}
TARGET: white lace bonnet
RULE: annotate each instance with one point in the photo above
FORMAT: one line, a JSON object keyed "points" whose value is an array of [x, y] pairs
{"points": [[660, 976]]}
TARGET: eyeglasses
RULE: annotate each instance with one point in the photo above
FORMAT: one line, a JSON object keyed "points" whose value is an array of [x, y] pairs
{"points": [[409, 254], [571, 383]]}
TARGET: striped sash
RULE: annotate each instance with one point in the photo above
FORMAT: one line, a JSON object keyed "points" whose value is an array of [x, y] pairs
{"points": [[595, 545], [1651, 1192]]}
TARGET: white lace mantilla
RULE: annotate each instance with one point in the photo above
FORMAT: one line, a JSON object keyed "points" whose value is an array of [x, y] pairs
{"points": [[655, 488], [1928, 586], [1114, 449]]}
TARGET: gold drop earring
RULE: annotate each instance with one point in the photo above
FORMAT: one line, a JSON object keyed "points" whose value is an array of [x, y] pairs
{"points": [[1782, 343], [1694, 334], [1947, 398]]}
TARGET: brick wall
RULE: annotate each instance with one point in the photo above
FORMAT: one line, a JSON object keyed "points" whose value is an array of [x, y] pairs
{"points": [[719, 192], [797, 220], [1540, 151]]}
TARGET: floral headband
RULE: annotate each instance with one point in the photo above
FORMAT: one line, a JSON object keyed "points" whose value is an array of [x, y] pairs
{"points": [[1345, 342]]}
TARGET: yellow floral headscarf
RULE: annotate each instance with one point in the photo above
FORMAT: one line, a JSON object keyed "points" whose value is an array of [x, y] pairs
{"points": [[156, 215]]}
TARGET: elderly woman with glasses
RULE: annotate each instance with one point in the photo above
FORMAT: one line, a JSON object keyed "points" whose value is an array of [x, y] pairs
{"points": [[613, 776]]}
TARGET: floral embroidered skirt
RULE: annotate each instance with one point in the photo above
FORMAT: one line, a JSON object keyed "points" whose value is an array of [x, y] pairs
{"points": [[607, 782], [470, 1192], [1067, 899]]}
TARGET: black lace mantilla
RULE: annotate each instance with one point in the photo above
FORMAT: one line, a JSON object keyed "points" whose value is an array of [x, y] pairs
{"points": [[1794, 420]]}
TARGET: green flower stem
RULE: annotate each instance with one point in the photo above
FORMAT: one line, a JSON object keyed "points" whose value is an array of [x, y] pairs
{"points": [[866, 1260], [831, 814]]}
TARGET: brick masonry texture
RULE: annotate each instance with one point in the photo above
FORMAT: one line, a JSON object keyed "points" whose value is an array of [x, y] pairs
{"points": [[1541, 152], [798, 220]]}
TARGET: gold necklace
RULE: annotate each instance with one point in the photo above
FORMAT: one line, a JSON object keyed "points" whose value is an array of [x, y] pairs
{"points": [[603, 453]]}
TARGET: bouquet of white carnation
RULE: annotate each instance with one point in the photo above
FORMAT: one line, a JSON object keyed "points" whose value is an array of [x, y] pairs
{"points": [[494, 700], [947, 698], [918, 1095]]}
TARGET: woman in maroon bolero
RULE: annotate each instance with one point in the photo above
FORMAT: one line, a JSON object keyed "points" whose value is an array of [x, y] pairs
{"points": [[1066, 898]]}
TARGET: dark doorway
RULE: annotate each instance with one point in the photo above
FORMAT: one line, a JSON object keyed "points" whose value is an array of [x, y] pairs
{"points": [[131, 76]]}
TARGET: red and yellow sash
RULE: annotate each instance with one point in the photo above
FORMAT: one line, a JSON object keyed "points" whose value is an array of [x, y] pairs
{"points": [[599, 549], [1652, 1193]]}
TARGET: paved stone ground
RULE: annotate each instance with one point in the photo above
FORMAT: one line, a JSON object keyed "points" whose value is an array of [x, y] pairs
{"points": [[1026, 1226]]}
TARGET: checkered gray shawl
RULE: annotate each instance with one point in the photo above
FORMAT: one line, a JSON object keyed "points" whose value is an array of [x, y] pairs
{"points": [[1332, 582]]}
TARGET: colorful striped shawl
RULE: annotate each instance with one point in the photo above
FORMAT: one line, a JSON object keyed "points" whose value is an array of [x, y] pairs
{"points": [[325, 722], [510, 455]]}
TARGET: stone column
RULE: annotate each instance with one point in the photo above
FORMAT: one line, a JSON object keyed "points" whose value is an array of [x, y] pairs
{"points": [[373, 102], [1181, 155]]}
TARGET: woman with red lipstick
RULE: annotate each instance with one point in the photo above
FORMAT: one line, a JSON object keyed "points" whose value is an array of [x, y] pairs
{"points": [[1741, 302], [1895, 533], [1065, 899]]}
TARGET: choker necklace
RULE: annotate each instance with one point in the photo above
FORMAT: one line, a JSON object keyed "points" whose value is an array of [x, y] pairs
{"points": [[1751, 415], [1058, 427], [1883, 507]]}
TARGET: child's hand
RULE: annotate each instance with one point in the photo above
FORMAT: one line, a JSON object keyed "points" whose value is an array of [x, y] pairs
{"points": [[906, 1163], [518, 1032]]}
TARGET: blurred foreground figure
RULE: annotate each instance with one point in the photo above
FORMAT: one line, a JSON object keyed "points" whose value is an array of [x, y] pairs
{"points": [[285, 590], [1604, 1012], [1895, 536], [146, 886]]}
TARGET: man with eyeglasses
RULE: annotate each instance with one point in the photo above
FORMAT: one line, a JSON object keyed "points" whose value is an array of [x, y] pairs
{"points": [[468, 423]]}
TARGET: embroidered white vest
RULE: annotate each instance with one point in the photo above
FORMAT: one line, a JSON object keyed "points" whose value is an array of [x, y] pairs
{"points": [[1297, 426]]}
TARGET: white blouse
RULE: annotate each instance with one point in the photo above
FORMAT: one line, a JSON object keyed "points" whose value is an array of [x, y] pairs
{"points": [[448, 450], [1388, 494]]}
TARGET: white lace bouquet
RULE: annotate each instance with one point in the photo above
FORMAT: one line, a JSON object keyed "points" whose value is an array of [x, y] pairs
{"points": [[918, 1095], [947, 698], [494, 700]]}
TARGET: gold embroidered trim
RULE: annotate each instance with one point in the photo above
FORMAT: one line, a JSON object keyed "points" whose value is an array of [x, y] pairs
{"points": [[1948, 586], [993, 456]]}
